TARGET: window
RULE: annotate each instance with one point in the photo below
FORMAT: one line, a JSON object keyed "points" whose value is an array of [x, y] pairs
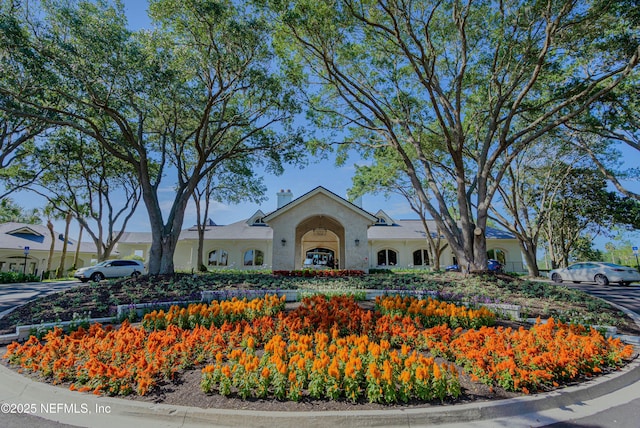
{"points": [[253, 258], [218, 258], [387, 258], [380, 221], [125, 263], [421, 257], [498, 255]]}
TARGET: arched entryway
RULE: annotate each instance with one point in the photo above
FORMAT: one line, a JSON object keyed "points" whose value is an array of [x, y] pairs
{"points": [[322, 238], [320, 219]]}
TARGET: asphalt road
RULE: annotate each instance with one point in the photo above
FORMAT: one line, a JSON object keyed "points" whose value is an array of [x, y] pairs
{"points": [[12, 295], [626, 296], [624, 416]]}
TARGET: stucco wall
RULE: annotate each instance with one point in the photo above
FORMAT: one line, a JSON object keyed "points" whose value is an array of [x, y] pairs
{"points": [[405, 249], [287, 257], [320, 210]]}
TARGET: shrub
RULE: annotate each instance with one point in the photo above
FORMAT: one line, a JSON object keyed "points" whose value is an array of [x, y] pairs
{"points": [[13, 277]]}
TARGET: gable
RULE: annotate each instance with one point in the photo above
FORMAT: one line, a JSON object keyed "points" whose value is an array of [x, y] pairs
{"points": [[383, 219], [27, 233], [322, 201], [257, 219]]}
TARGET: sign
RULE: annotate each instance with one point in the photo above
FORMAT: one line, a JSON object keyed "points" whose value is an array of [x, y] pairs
{"points": [[26, 250], [635, 250]]}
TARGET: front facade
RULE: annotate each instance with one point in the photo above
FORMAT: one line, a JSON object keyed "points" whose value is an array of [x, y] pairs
{"points": [[317, 230]]}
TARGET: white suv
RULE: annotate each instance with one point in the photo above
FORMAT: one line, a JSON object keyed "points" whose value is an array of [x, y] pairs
{"points": [[110, 269]]}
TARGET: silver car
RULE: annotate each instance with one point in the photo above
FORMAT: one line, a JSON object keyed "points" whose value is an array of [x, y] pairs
{"points": [[110, 269], [598, 272]]}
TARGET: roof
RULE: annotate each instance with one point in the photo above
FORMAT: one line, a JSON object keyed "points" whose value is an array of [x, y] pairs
{"points": [[413, 229], [37, 237], [239, 230]]}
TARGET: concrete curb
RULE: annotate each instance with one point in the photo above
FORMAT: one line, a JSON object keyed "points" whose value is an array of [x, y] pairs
{"points": [[82, 409]]}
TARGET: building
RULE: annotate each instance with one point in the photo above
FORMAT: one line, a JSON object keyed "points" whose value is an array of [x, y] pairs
{"points": [[317, 230], [26, 248]]}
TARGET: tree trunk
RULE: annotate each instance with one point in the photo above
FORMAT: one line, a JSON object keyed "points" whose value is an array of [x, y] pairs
{"points": [[164, 237], [202, 225], [52, 247], [529, 251], [65, 241], [201, 266], [77, 255]]}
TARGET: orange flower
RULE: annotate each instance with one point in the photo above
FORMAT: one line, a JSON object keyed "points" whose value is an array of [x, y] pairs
{"points": [[436, 372], [265, 372]]}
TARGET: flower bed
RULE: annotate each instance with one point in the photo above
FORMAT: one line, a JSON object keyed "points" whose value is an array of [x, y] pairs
{"points": [[326, 348]]}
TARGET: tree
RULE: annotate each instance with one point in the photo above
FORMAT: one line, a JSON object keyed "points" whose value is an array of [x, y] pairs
{"points": [[76, 255], [82, 178], [602, 146], [615, 118], [387, 174], [16, 142], [52, 247], [620, 249], [583, 250], [16, 133], [457, 88], [236, 183], [11, 212], [50, 213], [582, 207], [199, 90], [529, 190]]}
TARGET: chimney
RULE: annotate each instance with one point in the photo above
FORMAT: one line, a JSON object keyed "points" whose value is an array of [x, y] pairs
{"points": [[284, 197], [357, 202]]}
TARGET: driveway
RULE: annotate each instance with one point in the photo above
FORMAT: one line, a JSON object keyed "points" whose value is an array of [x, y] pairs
{"points": [[626, 296], [12, 295]]}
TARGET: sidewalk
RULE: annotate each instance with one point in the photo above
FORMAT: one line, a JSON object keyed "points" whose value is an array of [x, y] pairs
{"points": [[19, 394]]}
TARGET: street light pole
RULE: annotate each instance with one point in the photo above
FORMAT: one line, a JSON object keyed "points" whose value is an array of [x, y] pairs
{"points": [[24, 268]]}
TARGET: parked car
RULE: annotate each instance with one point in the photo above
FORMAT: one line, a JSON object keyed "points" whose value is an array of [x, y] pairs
{"points": [[110, 269], [598, 272], [492, 266]]}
